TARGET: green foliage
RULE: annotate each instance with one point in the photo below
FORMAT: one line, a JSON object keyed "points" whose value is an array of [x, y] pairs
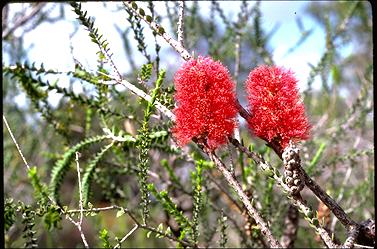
{"points": [[89, 24], [89, 171], [223, 226], [104, 236], [9, 213], [196, 208], [62, 166], [33, 89], [197, 180], [144, 145], [51, 213], [41, 191], [28, 219], [146, 72], [172, 209], [138, 30], [23, 73], [52, 217], [316, 158]]}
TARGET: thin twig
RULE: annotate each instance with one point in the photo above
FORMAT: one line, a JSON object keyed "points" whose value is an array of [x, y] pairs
{"points": [[363, 246], [242, 111], [80, 202], [329, 202], [163, 109], [94, 209], [183, 242], [160, 31], [352, 237], [237, 45], [113, 207], [126, 236], [4, 18], [49, 198], [290, 227], [15, 142], [296, 200], [274, 243], [181, 17], [221, 188], [23, 20]]}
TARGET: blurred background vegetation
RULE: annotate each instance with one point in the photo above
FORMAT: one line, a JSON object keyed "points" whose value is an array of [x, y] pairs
{"points": [[339, 155]]}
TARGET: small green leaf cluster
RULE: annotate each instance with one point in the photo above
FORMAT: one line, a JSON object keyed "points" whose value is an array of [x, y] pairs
{"points": [[62, 166]]}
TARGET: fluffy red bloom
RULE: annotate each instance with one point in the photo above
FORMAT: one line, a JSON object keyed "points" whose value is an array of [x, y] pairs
{"points": [[278, 114], [206, 102]]}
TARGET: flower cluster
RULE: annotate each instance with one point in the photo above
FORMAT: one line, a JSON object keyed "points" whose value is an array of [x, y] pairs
{"points": [[206, 102], [278, 114]]}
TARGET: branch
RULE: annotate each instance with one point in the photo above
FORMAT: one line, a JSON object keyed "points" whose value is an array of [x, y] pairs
{"points": [[157, 28], [291, 227], [242, 111], [163, 109], [61, 209], [79, 223], [126, 236], [328, 201], [137, 223], [311, 184], [23, 20], [181, 23], [352, 237], [15, 142], [245, 200], [296, 200]]}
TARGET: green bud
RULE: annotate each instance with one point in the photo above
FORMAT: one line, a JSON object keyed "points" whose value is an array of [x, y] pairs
{"points": [[310, 214], [161, 30], [149, 18], [315, 222], [134, 5], [141, 12]]}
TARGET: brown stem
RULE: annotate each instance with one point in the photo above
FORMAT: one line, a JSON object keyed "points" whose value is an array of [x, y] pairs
{"points": [[245, 200], [291, 227], [329, 202], [157, 28], [352, 236], [183, 242], [224, 192], [296, 200], [24, 19], [242, 111]]}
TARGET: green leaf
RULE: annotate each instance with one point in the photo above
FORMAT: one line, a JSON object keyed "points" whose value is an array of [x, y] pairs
{"points": [[52, 218], [120, 213], [9, 213], [62, 166], [316, 158], [336, 74], [104, 236], [89, 172]]}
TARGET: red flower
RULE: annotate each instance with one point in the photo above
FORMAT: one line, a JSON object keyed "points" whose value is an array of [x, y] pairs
{"points": [[206, 100], [278, 114]]}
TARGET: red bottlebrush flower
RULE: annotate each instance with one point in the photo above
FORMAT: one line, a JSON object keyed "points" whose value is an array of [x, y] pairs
{"points": [[206, 99], [278, 114]]}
